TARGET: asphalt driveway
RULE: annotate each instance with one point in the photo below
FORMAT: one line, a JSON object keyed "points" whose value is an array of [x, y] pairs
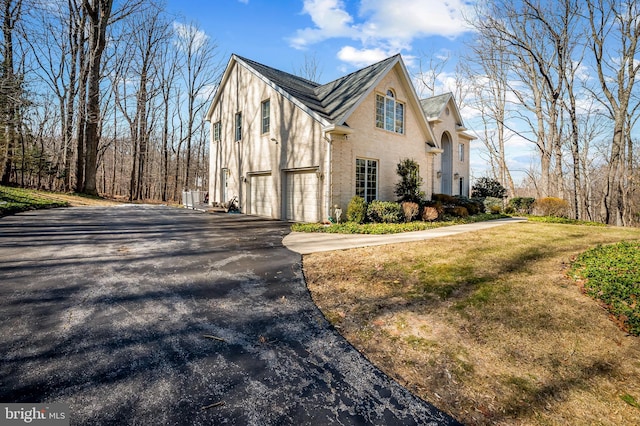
{"points": [[155, 315]]}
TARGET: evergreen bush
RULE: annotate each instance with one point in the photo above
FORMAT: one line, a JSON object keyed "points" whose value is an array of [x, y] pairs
{"points": [[357, 210], [384, 212]]}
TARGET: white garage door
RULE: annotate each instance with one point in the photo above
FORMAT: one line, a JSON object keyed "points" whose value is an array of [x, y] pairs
{"points": [[302, 197], [261, 195]]}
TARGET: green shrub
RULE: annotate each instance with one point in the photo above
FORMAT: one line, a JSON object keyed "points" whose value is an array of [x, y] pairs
{"points": [[408, 189], [384, 212], [357, 210], [487, 187], [493, 205], [522, 205], [551, 206], [473, 205], [410, 210], [387, 228]]}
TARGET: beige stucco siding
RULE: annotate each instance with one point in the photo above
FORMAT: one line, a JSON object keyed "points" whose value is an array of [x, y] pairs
{"points": [[388, 148], [268, 153]]}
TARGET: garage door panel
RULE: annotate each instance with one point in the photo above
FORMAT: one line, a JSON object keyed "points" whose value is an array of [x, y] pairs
{"points": [[302, 197], [261, 195]]}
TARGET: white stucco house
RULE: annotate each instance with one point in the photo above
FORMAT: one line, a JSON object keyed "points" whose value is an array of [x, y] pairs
{"points": [[292, 149]]}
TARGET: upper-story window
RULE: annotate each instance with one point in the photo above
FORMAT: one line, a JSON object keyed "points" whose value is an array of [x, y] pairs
{"points": [[238, 126], [266, 116], [461, 151], [389, 113], [216, 131]]}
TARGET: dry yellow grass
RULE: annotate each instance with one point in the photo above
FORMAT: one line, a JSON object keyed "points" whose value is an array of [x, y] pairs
{"points": [[76, 200], [486, 325]]}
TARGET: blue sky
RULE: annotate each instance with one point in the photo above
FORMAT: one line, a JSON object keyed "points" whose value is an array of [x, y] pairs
{"points": [[343, 36]]}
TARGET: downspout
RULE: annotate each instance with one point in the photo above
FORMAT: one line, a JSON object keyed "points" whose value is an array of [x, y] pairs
{"points": [[327, 176]]}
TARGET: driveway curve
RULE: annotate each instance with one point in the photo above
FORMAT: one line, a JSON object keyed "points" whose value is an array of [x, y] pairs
{"points": [[155, 315]]}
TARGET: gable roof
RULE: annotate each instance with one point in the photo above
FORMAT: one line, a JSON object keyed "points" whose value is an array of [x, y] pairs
{"points": [[434, 106], [330, 103], [341, 96], [297, 87]]}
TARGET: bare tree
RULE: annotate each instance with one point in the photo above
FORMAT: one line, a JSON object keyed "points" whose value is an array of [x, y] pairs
{"points": [[431, 66], [168, 68], [310, 68], [614, 33], [536, 37], [490, 86], [10, 86], [200, 71]]}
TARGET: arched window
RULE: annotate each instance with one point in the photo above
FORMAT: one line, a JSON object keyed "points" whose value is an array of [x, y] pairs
{"points": [[389, 113]]}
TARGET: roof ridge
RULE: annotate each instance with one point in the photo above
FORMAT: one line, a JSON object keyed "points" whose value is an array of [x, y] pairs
{"points": [[449, 93], [278, 70]]}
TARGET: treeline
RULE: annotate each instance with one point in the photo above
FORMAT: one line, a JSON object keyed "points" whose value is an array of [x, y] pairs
{"points": [[561, 75], [104, 96]]}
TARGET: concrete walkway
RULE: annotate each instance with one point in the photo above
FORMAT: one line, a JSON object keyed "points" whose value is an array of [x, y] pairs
{"points": [[308, 242]]}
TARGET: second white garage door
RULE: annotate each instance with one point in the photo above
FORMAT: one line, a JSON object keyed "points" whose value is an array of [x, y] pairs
{"points": [[302, 197], [261, 195]]}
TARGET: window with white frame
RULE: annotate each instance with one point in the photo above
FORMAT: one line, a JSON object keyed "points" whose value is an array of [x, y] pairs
{"points": [[367, 179], [461, 151], [266, 116], [389, 113], [238, 126], [216, 131]]}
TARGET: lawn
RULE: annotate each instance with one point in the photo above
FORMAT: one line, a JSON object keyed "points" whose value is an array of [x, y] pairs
{"points": [[488, 326], [14, 200]]}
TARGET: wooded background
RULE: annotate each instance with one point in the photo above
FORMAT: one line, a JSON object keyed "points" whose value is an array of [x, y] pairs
{"points": [[104, 98], [108, 97]]}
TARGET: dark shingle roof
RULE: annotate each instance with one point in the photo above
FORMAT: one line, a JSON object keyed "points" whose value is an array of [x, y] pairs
{"points": [[298, 87], [340, 96], [332, 101], [433, 106]]}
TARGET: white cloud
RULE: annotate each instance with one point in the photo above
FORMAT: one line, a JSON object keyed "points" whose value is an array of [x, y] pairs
{"points": [[361, 57], [401, 21], [388, 26], [330, 19], [244, 1], [189, 36]]}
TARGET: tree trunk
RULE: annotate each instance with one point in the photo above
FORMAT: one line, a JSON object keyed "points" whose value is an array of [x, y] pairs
{"points": [[98, 12], [10, 87]]}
